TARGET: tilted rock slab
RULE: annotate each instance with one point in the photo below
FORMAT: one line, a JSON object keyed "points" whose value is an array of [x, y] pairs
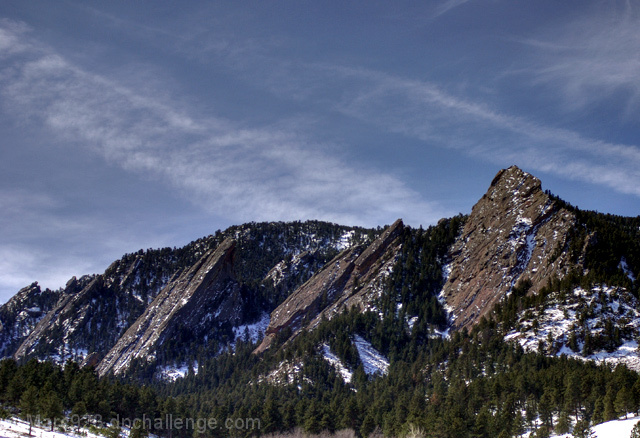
{"points": [[353, 277], [208, 292], [514, 232]]}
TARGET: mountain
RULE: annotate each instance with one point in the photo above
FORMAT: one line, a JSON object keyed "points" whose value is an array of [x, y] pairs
{"points": [[165, 307], [353, 278], [521, 317], [94, 316], [157, 308]]}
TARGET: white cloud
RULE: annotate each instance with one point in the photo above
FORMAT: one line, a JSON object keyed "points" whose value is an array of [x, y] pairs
{"points": [[21, 265], [255, 173], [29, 221], [41, 241], [593, 58], [423, 110], [446, 6]]}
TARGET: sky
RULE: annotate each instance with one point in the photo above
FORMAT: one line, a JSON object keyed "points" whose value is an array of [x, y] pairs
{"points": [[132, 125]]}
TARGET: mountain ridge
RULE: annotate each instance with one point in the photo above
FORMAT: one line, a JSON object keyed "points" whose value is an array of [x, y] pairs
{"points": [[132, 318]]}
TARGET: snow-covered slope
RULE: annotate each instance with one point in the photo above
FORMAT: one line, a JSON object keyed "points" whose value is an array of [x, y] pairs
{"points": [[610, 429], [335, 361], [601, 324], [373, 362]]}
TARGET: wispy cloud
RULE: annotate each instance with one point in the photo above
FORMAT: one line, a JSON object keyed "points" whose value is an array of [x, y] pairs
{"points": [[39, 242], [601, 58], [592, 59], [242, 173], [446, 6], [425, 111]]}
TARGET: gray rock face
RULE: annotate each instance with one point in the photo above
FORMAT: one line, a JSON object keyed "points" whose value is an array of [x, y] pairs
{"points": [[351, 278], [85, 320], [514, 232], [22, 313], [206, 292], [90, 314]]}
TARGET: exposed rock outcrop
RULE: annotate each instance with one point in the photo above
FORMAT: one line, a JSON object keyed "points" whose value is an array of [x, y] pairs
{"points": [[514, 232], [91, 313], [22, 313], [208, 291], [351, 278]]}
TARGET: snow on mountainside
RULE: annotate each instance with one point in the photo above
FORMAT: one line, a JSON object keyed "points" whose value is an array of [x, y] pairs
{"points": [[351, 279], [173, 373], [515, 231], [22, 313], [601, 324], [610, 429], [335, 361], [89, 316], [373, 362], [252, 332]]}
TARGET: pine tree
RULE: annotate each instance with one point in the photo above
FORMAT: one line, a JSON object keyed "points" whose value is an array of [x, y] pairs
{"points": [[271, 418], [609, 407], [138, 430], [582, 429], [29, 406], [563, 424], [546, 408], [312, 418], [114, 430], [623, 401], [635, 391], [52, 408], [572, 393], [598, 411]]}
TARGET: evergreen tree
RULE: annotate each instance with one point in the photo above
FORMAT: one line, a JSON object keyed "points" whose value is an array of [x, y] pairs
{"points": [[610, 412], [29, 406], [138, 430], [563, 424], [271, 418], [312, 418], [582, 429], [113, 431], [623, 402], [52, 408], [546, 408], [598, 411]]}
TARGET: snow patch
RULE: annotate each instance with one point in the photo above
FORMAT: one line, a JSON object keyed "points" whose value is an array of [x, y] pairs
{"points": [[173, 373], [625, 268], [345, 240], [335, 362], [373, 362], [610, 429], [18, 428], [255, 331], [556, 322]]}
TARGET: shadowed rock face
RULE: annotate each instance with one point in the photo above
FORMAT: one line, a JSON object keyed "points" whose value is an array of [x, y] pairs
{"points": [[514, 232], [352, 278], [207, 292]]}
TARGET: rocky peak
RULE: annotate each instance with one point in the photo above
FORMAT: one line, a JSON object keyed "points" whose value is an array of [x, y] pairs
{"points": [[21, 314], [511, 234]]}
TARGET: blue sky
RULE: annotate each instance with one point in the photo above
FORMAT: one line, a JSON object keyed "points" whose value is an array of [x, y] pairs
{"points": [[129, 125]]}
